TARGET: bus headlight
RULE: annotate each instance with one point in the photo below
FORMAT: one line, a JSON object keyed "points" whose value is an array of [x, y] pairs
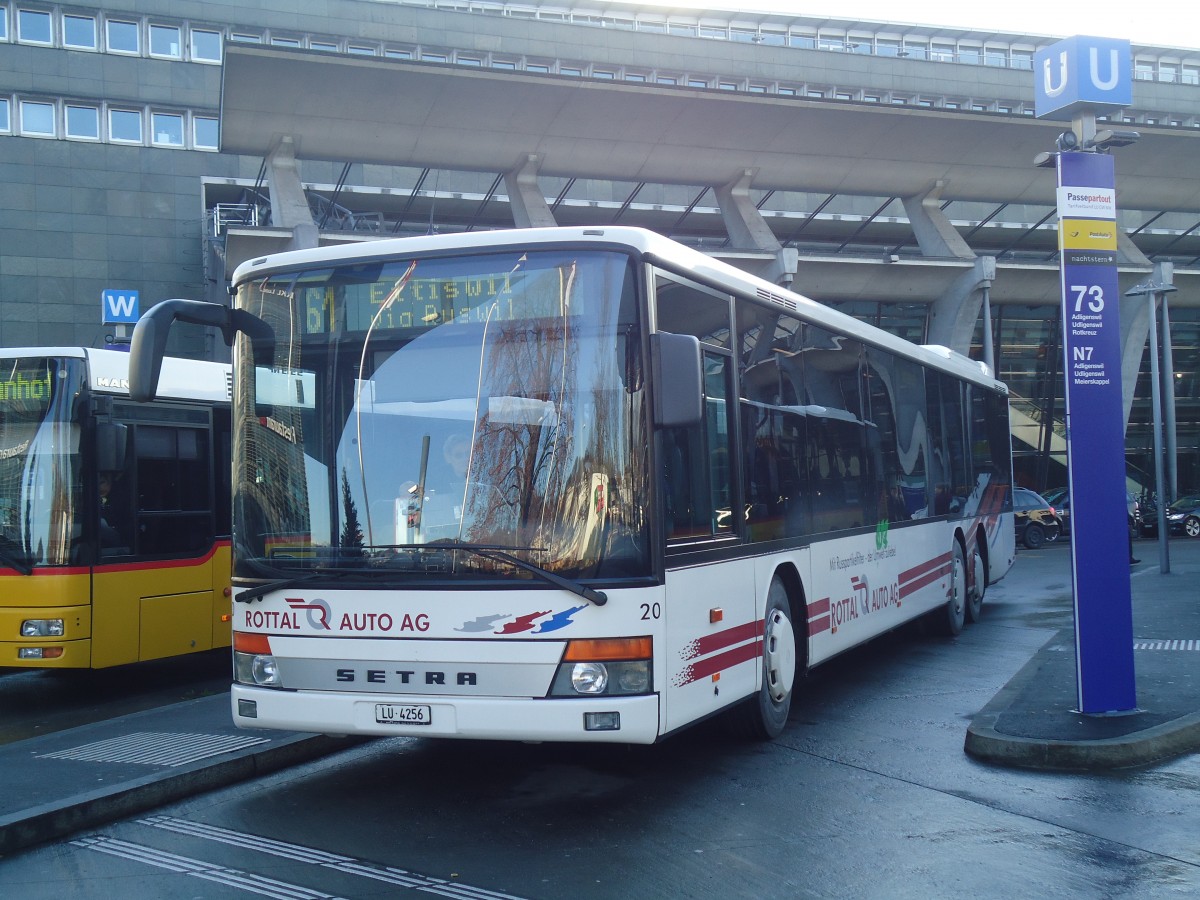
{"points": [[589, 678], [257, 669], [604, 667], [42, 628], [253, 662]]}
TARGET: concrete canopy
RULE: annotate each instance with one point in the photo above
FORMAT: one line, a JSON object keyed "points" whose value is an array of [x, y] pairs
{"points": [[395, 112]]}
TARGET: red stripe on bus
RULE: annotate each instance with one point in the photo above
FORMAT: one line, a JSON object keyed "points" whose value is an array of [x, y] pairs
{"points": [[164, 563], [719, 663], [921, 571], [816, 626], [710, 643], [59, 571], [914, 586]]}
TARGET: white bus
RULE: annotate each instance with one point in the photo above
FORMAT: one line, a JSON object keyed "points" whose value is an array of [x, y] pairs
{"points": [[579, 485]]}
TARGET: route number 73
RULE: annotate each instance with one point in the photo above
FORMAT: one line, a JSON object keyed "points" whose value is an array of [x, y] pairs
{"points": [[1092, 293]]}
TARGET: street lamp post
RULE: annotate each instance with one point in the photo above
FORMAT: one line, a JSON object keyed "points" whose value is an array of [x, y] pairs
{"points": [[1156, 290]]}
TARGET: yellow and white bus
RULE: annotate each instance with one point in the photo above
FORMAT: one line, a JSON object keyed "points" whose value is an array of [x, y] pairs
{"points": [[579, 485], [114, 515]]}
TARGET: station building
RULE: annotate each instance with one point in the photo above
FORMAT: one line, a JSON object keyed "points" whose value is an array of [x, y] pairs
{"points": [[883, 168]]}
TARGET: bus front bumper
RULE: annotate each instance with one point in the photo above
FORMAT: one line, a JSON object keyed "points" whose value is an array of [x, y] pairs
{"points": [[589, 719]]}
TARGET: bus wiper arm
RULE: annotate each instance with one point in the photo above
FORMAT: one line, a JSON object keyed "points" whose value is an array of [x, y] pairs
{"points": [[499, 552], [260, 590], [15, 562]]}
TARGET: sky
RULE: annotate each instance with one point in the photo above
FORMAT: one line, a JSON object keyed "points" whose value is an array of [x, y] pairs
{"points": [[1164, 23]]}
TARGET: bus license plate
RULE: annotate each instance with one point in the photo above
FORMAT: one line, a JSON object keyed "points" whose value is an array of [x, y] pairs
{"points": [[402, 714]]}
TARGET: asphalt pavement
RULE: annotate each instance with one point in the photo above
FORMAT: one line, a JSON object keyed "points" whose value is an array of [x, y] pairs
{"points": [[60, 783]]}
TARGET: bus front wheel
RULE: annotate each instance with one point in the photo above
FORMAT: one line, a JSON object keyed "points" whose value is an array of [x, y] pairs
{"points": [[764, 716], [951, 617]]}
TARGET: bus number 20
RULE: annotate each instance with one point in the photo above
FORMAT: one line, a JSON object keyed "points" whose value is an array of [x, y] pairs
{"points": [[651, 611]]}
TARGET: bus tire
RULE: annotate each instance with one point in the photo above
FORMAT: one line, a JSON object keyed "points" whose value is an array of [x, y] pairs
{"points": [[950, 618], [764, 716], [978, 586]]}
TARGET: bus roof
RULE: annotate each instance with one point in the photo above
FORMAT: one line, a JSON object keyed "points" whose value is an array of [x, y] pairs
{"points": [[108, 373], [658, 249]]}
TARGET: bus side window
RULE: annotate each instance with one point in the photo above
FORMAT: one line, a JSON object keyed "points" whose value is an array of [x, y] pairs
{"points": [[174, 512]]}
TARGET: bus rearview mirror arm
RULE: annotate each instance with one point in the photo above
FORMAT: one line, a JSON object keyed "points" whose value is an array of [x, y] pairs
{"points": [[149, 343]]}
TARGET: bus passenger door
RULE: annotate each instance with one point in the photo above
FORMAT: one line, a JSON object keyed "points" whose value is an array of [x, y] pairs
{"points": [[712, 654], [153, 591]]}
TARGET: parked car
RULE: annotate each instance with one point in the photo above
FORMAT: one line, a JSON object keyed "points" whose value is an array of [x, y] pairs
{"points": [[1183, 516], [1060, 499], [1036, 521]]}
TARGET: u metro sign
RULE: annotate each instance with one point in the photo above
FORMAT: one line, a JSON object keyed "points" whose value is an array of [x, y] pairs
{"points": [[118, 307], [1082, 73]]}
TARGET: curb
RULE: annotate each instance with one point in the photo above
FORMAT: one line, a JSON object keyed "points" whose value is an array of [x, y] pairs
{"points": [[1151, 745], [59, 819]]}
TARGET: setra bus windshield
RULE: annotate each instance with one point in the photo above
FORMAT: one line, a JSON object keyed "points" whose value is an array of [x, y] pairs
{"points": [[40, 474], [446, 414]]}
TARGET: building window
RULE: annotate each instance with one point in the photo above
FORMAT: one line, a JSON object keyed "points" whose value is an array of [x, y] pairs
{"points": [[166, 41], [206, 45], [361, 50], [37, 118], [1021, 59], [727, 86], [244, 37], [941, 52], [1143, 70], [710, 31], [667, 79], [33, 27], [887, 47], [433, 57], [324, 46], [504, 63], [79, 32], [167, 129], [635, 76], [5, 120], [125, 126], [3, 24], [539, 68], [1190, 75], [468, 61], [603, 73], [122, 37], [697, 83], [1167, 72], [83, 123], [397, 53], [283, 41], [569, 70], [206, 133], [680, 30], [803, 41]]}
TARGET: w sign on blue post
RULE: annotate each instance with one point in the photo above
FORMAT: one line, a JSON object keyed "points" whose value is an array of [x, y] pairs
{"points": [[1081, 73], [118, 307]]}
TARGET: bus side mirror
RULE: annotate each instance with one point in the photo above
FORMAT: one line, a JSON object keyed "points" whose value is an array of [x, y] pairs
{"points": [[678, 380], [111, 438], [149, 343]]}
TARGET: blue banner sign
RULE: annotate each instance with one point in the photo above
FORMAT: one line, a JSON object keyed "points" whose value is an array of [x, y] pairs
{"points": [[1095, 433], [1082, 73], [118, 307]]}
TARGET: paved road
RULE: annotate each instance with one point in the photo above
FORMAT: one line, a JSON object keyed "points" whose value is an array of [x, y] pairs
{"points": [[867, 794]]}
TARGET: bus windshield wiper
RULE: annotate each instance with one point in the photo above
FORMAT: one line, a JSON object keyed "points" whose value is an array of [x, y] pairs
{"points": [[13, 561], [502, 553]]}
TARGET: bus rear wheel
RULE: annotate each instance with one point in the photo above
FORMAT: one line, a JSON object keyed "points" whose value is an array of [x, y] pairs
{"points": [[978, 586], [764, 716]]}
